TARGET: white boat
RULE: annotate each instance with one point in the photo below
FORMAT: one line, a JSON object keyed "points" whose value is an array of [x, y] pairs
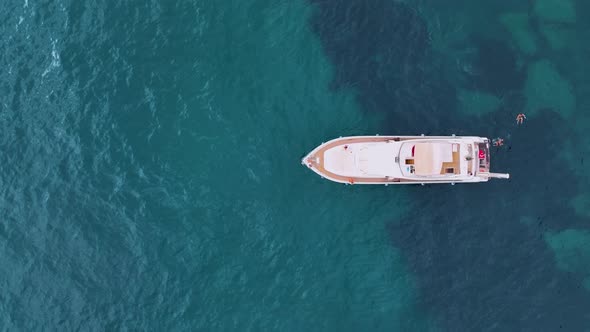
{"points": [[403, 160]]}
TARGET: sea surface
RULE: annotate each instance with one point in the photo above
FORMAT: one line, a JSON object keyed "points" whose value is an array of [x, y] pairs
{"points": [[150, 175]]}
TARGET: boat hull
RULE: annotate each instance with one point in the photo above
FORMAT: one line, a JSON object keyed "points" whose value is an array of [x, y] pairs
{"points": [[380, 160]]}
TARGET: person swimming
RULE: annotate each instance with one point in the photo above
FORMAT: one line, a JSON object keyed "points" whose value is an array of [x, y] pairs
{"points": [[498, 141], [520, 118]]}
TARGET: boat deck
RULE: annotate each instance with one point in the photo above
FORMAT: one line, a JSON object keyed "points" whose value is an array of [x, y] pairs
{"points": [[452, 165], [446, 165], [317, 161]]}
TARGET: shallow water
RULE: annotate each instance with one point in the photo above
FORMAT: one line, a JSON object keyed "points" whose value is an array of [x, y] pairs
{"points": [[150, 170]]}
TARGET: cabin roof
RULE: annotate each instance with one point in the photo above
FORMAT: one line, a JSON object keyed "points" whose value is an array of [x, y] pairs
{"points": [[429, 157]]}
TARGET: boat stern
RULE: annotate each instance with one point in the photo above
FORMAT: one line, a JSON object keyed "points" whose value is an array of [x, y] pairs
{"points": [[484, 162], [483, 156]]}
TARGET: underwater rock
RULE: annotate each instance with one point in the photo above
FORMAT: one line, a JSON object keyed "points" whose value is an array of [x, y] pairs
{"points": [[477, 102], [527, 220], [581, 204], [521, 31], [546, 88], [556, 11], [388, 48], [495, 67], [380, 49], [555, 19], [557, 36], [572, 250]]}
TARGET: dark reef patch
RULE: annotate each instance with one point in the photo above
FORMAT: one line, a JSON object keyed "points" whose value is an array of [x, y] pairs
{"points": [[477, 266], [380, 49], [495, 67], [485, 64]]}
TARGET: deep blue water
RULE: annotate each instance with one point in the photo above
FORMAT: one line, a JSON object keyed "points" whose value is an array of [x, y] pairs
{"points": [[150, 175]]}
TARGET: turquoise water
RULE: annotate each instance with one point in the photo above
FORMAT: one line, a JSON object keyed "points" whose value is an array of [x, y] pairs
{"points": [[150, 175]]}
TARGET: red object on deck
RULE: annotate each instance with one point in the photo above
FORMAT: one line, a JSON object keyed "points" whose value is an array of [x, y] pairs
{"points": [[482, 154], [413, 147]]}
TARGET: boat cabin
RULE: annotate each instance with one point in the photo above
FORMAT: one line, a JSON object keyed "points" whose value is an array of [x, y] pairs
{"points": [[435, 159]]}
